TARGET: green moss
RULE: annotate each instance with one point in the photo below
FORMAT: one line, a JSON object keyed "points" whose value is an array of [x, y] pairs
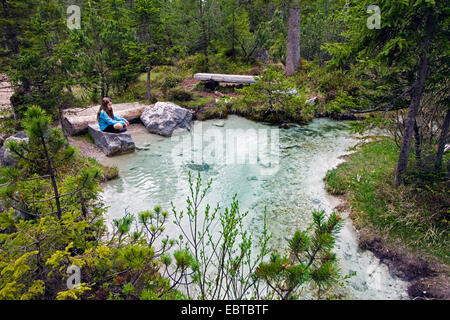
{"points": [[199, 101], [108, 173], [217, 111], [86, 137]]}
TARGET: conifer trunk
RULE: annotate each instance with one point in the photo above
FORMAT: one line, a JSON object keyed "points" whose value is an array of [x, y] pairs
{"points": [[417, 145], [149, 93], [293, 43], [51, 172], [416, 97]]}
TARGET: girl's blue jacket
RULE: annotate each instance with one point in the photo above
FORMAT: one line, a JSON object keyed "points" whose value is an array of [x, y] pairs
{"points": [[104, 120]]}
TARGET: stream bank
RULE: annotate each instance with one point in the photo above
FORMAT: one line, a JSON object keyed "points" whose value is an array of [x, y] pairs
{"points": [[427, 278], [355, 182]]}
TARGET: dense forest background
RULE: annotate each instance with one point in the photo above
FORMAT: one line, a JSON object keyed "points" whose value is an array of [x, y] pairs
{"points": [[383, 64], [119, 40]]}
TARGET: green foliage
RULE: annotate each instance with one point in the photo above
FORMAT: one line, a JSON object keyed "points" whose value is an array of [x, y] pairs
{"points": [[219, 261], [167, 79], [215, 252], [416, 214], [217, 111], [34, 179], [389, 56], [44, 63], [271, 99], [320, 24], [103, 45], [178, 94], [309, 258], [49, 65], [344, 102]]}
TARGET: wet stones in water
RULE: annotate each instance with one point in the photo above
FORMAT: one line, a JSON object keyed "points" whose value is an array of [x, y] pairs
{"points": [[198, 167], [219, 124], [290, 147], [143, 148], [288, 125], [265, 165]]}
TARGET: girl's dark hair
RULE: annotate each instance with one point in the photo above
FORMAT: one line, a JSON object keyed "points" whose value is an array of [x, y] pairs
{"points": [[104, 107]]}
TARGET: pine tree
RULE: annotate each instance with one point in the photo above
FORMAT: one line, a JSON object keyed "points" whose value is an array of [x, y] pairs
{"points": [[309, 258], [101, 46], [405, 55], [150, 47], [38, 161]]}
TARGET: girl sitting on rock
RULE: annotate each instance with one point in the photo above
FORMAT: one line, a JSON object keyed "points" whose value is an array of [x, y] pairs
{"points": [[107, 121]]}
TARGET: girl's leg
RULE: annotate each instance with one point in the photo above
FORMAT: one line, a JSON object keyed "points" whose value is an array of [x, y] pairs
{"points": [[118, 127], [112, 129]]}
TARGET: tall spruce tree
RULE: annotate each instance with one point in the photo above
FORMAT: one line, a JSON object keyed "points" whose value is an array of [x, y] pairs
{"points": [[404, 55], [40, 64]]}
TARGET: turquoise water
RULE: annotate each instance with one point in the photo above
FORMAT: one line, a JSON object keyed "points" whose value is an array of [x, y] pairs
{"points": [[280, 170]]}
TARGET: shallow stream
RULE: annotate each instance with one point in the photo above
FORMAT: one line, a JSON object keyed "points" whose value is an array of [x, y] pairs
{"points": [[278, 169]]}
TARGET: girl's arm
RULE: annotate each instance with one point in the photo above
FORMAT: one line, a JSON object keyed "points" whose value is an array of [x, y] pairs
{"points": [[120, 119], [106, 119]]}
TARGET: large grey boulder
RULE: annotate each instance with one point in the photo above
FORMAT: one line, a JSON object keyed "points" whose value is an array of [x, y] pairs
{"points": [[166, 117], [6, 158], [112, 144]]}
